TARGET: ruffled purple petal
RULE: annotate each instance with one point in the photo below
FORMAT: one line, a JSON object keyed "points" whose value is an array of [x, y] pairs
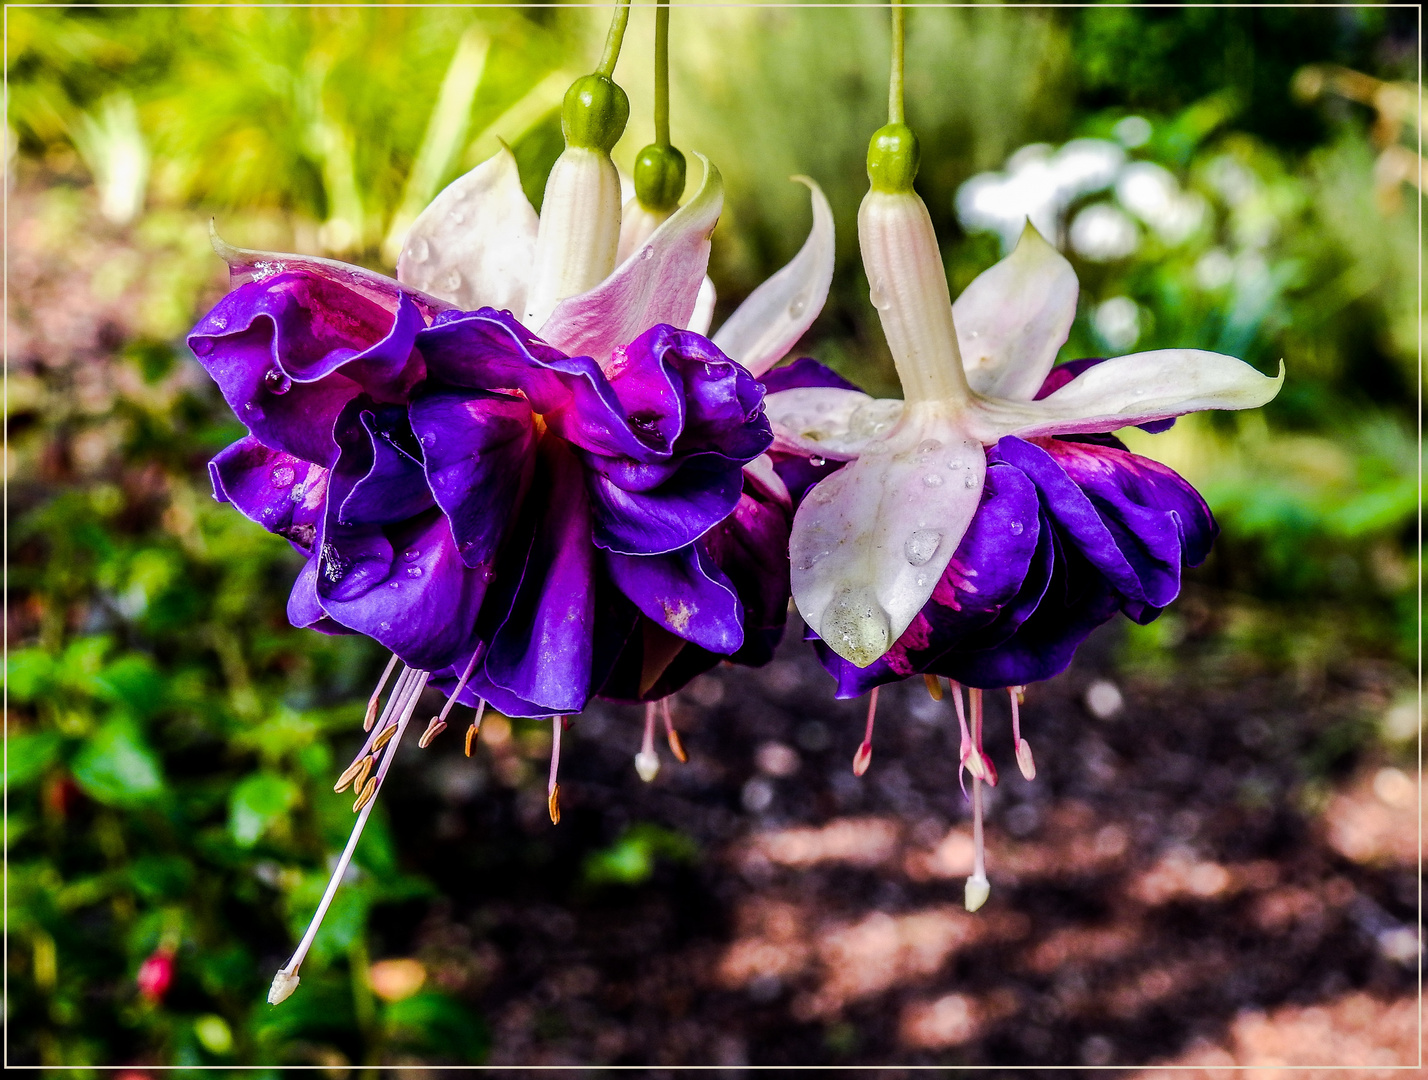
{"points": [[490, 350], [289, 351], [377, 442], [986, 575], [480, 452], [305, 609], [684, 592], [282, 493], [542, 652]]}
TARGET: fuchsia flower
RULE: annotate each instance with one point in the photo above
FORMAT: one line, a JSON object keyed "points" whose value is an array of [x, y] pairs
{"points": [[982, 526], [155, 975]]}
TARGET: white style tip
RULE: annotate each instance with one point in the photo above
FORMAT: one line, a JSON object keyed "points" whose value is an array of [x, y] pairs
{"points": [[978, 889], [284, 983], [647, 765]]}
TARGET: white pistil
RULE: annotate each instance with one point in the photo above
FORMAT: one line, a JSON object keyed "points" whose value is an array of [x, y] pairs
{"points": [[978, 889], [671, 736], [405, 696], [864, 757], [377, 694], [966, 759], [552, 786], [1025, 762], [647, 761]]}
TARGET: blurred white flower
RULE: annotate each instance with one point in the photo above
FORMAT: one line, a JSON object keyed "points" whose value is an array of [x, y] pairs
{"points": [[1117, 322], [1039, 184], [1153, 194], [1231, 179], [1132, 131], [1101, 233], [1214, 269]]}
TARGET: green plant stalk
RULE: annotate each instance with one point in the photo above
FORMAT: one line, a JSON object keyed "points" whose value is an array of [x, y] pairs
{"points": [[895, 112], [661, 74], [614, 39]]}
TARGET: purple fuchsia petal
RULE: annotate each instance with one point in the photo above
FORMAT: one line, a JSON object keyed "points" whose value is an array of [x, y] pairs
{"points": [[751, 547], [1149, 507], [699, 415], [290, 350], [282, 493], [1080, 523], [304, 608], [1062, 374], [542, 652], [984, 577], [490, 350], [1077, 600], [395, 578], [684, 592], [480, 452]]}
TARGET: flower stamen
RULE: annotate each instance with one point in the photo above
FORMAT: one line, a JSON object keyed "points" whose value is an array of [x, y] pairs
{"points": [[934, 686], [371, 716], [475, 728], [405, 696], [978, 889], [647, 761], [552, 787], [671, 736], [864, 757], [1025, 762], [438, 723], [965, 758]]}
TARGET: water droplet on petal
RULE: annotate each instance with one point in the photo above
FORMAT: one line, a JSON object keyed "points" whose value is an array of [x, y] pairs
{"points": [[1017, 528], [921, 546], [420, 251], [921, 580], [277, 381], [202, 347], [488, 575], [970, 482], [220, 323], [797, 305], [932, 480], [927, 446], [647, 254], [282, 476], [384, 627], [413, 571], [411, 554], [453, 281], [394, 585], [817, 461], [458, 217]]}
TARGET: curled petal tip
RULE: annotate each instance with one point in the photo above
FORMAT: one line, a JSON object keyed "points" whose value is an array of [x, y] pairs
{"points": [[284, 983], [976, 892]]}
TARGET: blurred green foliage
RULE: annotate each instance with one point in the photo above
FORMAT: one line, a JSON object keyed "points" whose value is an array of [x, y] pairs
{"points": [[171, 741]]}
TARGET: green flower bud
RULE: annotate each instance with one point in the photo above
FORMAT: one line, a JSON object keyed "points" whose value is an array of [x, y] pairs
{"points": [[893, 157], [594, 113], [659, 177]]}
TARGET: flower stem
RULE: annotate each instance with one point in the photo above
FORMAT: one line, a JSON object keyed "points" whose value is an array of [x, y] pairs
{"points": [[895, 114], [614, 39], [661, 74]]}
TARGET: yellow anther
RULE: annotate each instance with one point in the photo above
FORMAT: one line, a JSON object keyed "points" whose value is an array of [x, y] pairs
{"points": [[348, 774], [552, 804], [368, 791], [675, 746], [471, 734], [934, 686], [435, 728], [384, 737]]}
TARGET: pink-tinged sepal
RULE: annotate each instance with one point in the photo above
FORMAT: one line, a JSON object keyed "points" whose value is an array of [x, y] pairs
{"points": [[1013, 317], [659, 283], [769, 323]]}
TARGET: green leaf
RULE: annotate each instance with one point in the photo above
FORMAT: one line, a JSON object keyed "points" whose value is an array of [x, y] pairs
{"points": [[133, 681], [161, 877], [438, 1024], [29, 754], [118, 767], [27, 673], [257, 803]]}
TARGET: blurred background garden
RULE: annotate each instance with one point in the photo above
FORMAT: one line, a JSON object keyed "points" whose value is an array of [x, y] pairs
{"points": [[1218, 863]]}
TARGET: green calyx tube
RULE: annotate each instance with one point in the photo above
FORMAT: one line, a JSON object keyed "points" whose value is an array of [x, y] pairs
{"points": [[659, 177], [594, 113], [893, 158]]}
